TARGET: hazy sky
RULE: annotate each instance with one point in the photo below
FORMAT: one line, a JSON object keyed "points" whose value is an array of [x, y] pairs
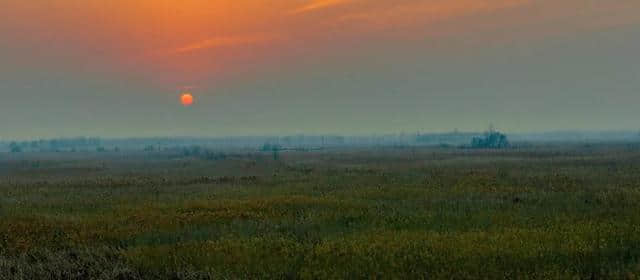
{"points": [[263, 67]]}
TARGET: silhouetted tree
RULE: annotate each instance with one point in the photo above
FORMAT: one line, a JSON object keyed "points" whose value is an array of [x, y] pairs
{"points": [[492, 139]]}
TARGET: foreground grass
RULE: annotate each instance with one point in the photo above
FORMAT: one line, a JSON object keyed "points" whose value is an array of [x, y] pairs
{"points": [[540, 212]]}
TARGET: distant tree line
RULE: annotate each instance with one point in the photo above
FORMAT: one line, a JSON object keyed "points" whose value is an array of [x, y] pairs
{"points": [[184, 145], [56, 145]]}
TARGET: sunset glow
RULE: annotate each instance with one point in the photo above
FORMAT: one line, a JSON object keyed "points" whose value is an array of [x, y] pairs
{"points": [[421, 55], [319, 139], [193, 39]]}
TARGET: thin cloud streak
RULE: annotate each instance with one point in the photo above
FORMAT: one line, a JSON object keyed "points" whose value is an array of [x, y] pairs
{"points": [[318, 4], [427, 11], [218, 42]]}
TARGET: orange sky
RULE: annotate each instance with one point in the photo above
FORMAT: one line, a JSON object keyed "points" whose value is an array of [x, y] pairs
{"points": [[404, 57], [194, 37], [182, 42]]}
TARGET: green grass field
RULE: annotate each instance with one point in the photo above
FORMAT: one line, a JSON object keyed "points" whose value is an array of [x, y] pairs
{"points": [[543, 212]]}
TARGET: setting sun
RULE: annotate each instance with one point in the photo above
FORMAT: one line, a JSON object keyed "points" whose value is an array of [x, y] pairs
{"points": [[186, 99]]}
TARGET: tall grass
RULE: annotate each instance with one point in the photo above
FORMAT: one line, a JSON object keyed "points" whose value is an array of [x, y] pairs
{"points": [[540, 213]]}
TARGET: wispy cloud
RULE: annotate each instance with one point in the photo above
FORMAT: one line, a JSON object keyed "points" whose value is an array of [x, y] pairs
{"points": [[427, 11], [318, 4], [218, 42]]}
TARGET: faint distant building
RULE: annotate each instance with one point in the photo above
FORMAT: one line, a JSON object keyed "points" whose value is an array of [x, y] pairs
{"points": [[15, 147], [491, 140]]}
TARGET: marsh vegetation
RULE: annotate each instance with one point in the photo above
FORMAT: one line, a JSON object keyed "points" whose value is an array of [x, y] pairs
{"points": [[540, 211]]}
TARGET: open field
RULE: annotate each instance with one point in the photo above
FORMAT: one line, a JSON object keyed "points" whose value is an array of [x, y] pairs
{"points": [[554, 211]]}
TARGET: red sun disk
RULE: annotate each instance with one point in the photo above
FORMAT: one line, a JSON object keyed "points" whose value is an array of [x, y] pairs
{"points": [[186, 99]]}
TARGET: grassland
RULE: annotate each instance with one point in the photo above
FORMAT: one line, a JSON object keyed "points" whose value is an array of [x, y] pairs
{"points": [[541, 212]]}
